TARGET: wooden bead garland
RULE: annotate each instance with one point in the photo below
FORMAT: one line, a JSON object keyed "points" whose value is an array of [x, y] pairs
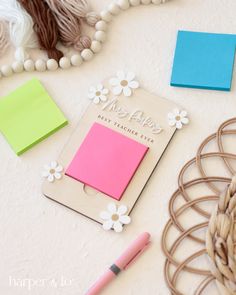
{"points": [[146, 2], [86, 54], [17, 67], [29, 65], [106, 16], [76, 60], [101, 26], [124, 4], [52, 65], [64, 62], [6, 70], [135, 2], [96, 46], [114, 8], [100, 36], [40, 65]]}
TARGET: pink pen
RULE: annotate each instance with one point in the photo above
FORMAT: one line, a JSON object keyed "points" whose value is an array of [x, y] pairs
{"points": [[131, 253]]}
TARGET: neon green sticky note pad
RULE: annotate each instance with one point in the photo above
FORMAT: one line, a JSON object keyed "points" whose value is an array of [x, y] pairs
{"points": [[28, 115]]}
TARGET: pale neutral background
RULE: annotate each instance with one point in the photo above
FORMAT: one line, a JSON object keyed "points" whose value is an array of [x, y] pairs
{"points": [[42, 240]]}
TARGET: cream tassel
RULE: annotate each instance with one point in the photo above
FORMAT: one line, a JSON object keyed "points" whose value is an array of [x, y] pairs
{"points": [[3, 38], [20, 27], [81, 9], [69, 26]]}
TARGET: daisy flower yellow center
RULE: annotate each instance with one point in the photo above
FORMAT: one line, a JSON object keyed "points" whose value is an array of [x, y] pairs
{"points": [[177, 118], [115, 217], [52, 171], [124, 83], [98, 93]]}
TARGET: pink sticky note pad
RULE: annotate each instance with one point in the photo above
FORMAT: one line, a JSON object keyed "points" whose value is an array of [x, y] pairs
{"points": [[106, 160]]}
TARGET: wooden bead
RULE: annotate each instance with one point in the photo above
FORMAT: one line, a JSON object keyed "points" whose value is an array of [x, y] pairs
{"points": [[52, 65], [123, 4], [114, 9], [40, 65], [18, 67], [29, 65], [101, 26], [87, 54], [96, 46], [6, 70], [156, 2], [100, 36], [146, 2], [76, 60], [135, 2], [64, 62], [106, 16]]}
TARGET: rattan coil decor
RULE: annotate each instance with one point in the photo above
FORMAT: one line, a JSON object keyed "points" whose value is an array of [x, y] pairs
{"points": [[199, 239]]}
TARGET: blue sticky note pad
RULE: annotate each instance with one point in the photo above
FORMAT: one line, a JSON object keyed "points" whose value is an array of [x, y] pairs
{"points": [[204, 60]]}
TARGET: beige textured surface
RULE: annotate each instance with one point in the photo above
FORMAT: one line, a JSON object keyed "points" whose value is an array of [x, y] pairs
{"points": [[43, 240]]}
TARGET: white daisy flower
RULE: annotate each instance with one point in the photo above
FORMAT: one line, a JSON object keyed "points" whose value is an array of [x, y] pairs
{"points": [[123, 83], [52, 171], [115, 217], [178, 118], [97, 94]]}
